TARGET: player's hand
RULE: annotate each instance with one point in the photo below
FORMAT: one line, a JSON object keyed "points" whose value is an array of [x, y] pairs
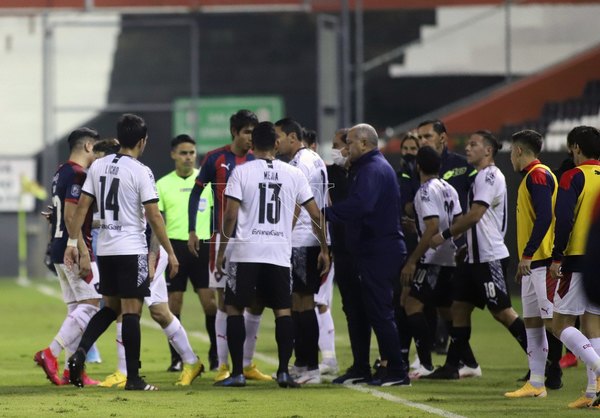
{"points": [[407, 273], [523, 269], [324, 262], [48, 213], [555, 271], [436, 241], [71, 257], [85, 266], [173, 265], [408, 225], [194, 244], [221, 264]]}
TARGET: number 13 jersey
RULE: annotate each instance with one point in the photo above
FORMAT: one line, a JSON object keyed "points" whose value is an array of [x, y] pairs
{"points": [[121, 186]]}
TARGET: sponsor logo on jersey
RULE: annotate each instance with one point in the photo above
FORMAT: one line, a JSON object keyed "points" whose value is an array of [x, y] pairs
{"points": [[226, 166]]}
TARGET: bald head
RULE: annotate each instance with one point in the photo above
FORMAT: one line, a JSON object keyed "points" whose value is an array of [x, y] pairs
{"points": [[361, 139]]}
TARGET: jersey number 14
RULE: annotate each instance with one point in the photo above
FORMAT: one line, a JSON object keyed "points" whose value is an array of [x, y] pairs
{"points": [[109, 200]]}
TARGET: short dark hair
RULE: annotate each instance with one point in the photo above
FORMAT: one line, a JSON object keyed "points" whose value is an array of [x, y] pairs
{"points": [[343, 133], [428, 160], [309, 136], [79, 136], [438, 125], [264, 136], [490, 139], [289, 125], [587, 138], [107, 146], [242, 118], [530, 139], [130, 130], [181, 139]]}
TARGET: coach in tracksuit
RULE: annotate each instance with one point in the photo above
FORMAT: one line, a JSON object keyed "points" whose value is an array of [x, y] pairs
{"points": [[371, 216]]}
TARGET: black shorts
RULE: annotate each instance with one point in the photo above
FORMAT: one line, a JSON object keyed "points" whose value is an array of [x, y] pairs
{"points": [[306, 276], [190, 266], [125, 276], [483, 284], [268, 284], [432, 285]]}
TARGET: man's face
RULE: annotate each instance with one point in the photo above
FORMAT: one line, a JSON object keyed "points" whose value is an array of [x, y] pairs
{"points": [[430, 138], [356, 146], [409, 147], [243, 138], [339, 144], [476, 149], [184, 156], [284, 146]]}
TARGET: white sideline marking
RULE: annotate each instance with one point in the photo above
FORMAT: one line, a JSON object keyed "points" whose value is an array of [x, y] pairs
{"points": [[49, 291]]}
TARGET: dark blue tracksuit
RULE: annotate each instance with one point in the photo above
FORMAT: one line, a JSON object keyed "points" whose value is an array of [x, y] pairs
{"points": [[373, 237]]}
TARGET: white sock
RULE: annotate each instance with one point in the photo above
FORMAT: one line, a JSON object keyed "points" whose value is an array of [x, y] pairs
{"points": [[579, 345], [178, 338], [72, 328], [57, 344], [252, 324], [537, 353], [121, 364], [326, 335], [221, 331], [82, 315], [591, 389]]}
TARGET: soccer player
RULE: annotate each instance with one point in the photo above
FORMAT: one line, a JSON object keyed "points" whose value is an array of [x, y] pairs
{"points": [[306, 278], [216, 169], [481, 280], [577, 192], [78, 285], [535, 235], [174, 192], [124, 190], [429, 272], [262, 196]]}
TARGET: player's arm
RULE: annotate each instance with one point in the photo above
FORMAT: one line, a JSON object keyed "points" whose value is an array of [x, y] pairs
{"points": [[205, 176], [320, 229], [85, 262], [462, 224], [71, 256], [432, 225], [229, 220], [157, 224], [153, 251]]}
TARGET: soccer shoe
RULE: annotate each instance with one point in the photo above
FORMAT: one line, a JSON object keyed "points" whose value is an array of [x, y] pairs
{"points": [[189, 373], [383, 378], [49, 364], [93, 356], [582, 402], [420, 372], [284, 380], [528, 391], [232, 382], [251, 372], [296, 371], [176, 366], [223, 373], [568, 360], [139, 384], [553, 378], [443, 373], [329, 368], [213, 362], [87, 381], [466, 371], [415, 364], [309, 377], [117, 379], [352, 376], [76, 365]]}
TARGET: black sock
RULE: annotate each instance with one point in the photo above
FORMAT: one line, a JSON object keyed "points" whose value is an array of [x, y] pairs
{"points": [[460, 348], [132, 340], [432, 319], [284, 335], [404, 332], [517, 329], [310, 335], [175, 357], [236, 334], [422, 335], [554, 350], [209, 321], [96, 327], [467, 356], [299, 343]]}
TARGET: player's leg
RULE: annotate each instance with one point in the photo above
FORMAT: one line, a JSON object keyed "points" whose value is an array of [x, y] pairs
{"points": [[252, 317], [218, 282], [119, 377], [199, 275]]}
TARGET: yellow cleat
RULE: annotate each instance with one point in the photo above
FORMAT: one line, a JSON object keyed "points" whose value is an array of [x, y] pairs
{"points": [[222, 373], [582, 402], [527, 391], [252, 373], [117, 379], [189, 373]]}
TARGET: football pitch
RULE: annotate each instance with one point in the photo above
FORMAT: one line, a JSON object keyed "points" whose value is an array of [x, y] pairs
{"points": [[32, 314]]}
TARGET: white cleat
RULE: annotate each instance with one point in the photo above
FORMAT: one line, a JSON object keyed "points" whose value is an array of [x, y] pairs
{"points": [[420, 372], [467, 371], [329, 368], [309, 377], [415, 364]]}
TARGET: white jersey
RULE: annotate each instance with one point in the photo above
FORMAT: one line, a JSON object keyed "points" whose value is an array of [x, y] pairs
{"points": [[314, 169], [121, 186], [437, 198], [486, 238], [269, 192]]}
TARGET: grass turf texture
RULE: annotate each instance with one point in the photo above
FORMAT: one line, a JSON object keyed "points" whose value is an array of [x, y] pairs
{"points": [[31, 318]]}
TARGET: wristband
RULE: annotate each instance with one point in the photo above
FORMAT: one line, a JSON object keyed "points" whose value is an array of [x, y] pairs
{"points": [[72, 242], [446, 234]]}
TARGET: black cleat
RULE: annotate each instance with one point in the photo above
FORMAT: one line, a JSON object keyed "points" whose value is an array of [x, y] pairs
{"points": [[443, 373], [137, 383], [352, 377], [76, 365], [284, 380], [176, 366], [232, 382]]}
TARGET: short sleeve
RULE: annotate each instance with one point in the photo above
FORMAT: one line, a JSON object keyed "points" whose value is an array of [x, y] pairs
{"points": [[148, 193], [233, 189], [429, 203], [303, 192], [73, 189], [88, 184], [485, 187], [457, 208]]}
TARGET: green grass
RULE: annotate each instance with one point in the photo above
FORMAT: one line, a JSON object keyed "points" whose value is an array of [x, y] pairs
{"points": [[30, 319]]}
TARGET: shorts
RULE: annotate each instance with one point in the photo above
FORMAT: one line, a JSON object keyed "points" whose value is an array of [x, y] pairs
{"points": [[215, 279], [125, 276], [570, 297], [537, 291], [325, 295], [158, 286], [432, 285], [75, 289], [306, 276], [267, 284], [483, 284], [190, 266]]}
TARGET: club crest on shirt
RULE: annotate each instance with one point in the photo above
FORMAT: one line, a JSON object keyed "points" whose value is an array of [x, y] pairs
{"points": [[424, 194], [75, 190], [490, 178]]}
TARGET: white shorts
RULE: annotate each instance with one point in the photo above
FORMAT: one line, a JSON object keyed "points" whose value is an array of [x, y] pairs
{"points": [[534, 295], [158, 285], [570, 297], [75, 289], [325, 295], [216, 280]]}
